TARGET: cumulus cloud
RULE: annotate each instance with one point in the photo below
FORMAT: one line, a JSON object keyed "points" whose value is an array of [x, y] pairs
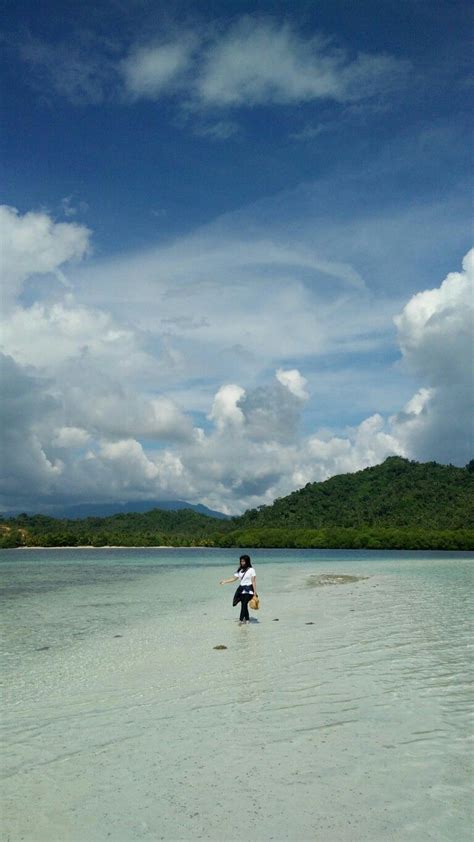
{"points": [[436, 335], [28, 407], [225, 411], [32, 243], [96, 364], [368, 444], [273, 413], [73, 373], [78, 331], [87, 414], [293, 381], [267, 458], [70, 437], [131, 465], [113, 411], [435, 329], [265, 413]]}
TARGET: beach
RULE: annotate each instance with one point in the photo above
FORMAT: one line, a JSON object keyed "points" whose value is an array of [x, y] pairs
{"points": [[340, 713]]}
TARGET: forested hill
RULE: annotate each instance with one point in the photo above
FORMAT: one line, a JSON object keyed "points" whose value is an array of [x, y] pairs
{"points": [[399, 504], [397, 493], [158, 526]]}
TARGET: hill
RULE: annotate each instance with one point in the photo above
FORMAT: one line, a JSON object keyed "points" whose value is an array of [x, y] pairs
{"points": [[155, 527], [397, 493], [396, 505]]}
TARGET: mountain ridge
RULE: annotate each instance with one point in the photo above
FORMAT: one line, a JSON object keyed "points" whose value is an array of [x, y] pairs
{"points": [[81, 511]]}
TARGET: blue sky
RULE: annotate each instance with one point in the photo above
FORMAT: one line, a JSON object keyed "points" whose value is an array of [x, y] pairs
{"points": [[221, 224]]}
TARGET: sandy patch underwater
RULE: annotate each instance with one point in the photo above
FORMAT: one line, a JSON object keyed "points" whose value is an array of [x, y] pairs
{"points": [[346, 718]]}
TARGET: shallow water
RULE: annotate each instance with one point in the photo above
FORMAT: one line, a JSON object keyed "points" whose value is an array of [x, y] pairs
{"points": [[340, 713]]}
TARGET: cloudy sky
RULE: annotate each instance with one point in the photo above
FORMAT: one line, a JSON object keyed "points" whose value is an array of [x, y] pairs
{"points": [[235, 246]]}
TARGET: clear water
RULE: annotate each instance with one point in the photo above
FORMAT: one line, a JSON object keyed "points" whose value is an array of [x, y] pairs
{"points": [[342, 712]]}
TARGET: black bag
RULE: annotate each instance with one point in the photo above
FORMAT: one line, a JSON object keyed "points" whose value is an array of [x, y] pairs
{"points": [[237, 596]]}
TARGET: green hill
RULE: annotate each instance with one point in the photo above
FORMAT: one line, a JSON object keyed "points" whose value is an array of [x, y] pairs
{"points": [[397, 493], [156, 527], [396, 505]]}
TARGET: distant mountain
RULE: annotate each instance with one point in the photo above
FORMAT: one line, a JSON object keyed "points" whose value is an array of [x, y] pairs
{"points": [[85, 510]]}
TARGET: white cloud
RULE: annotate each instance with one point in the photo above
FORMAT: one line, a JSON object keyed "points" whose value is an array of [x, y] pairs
{"points": [[436, 334], [78, 331], [72, 206], [77, 376], [418, 403], [272, 413], [220, 130], [150, 71], [253, 61], [281, 301], [27, 408], [104, 377], [225, 411], [113, 411], [71, 437], [131, 466], [436, 328], [33, 243], [367, 444], [293, 381], [233, 472], [259, 61]]}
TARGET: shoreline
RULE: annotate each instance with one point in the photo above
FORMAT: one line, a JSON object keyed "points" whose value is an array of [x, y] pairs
{"points": [[236, 548], [111, 547]]}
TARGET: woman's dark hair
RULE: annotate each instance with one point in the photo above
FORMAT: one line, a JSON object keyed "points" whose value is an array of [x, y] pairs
{"points": [[248, 563]]}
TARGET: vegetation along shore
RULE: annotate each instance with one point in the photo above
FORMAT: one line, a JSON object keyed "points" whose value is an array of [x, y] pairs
{"points": [[396, 505]]}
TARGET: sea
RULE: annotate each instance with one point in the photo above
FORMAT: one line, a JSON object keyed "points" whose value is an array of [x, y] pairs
{"points": [[135, 707]]}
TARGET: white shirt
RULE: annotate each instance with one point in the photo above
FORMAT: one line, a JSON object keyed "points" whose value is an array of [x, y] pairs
{"points": [[245, 577]]}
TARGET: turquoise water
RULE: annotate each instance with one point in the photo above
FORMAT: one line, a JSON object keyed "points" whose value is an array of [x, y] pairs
{"points": [[340, 713]]}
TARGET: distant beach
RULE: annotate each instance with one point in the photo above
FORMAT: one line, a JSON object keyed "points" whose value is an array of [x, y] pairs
{"points": [[109, 547]]}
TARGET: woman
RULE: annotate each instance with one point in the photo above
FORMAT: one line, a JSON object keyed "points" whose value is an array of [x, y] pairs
{"points": [[247, 587]]}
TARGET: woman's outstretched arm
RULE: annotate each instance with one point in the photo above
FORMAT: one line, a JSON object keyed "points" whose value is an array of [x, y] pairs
{"points": [[228, 581]]}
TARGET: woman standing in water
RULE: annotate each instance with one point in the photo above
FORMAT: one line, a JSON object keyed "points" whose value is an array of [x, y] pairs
{"points": [[247, 587]]}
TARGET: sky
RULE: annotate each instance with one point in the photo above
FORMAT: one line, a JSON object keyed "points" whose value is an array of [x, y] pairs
{"points": [[235, 246]]}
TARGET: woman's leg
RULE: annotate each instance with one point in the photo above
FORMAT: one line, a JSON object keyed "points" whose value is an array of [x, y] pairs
{"points": [[244, 607]]}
